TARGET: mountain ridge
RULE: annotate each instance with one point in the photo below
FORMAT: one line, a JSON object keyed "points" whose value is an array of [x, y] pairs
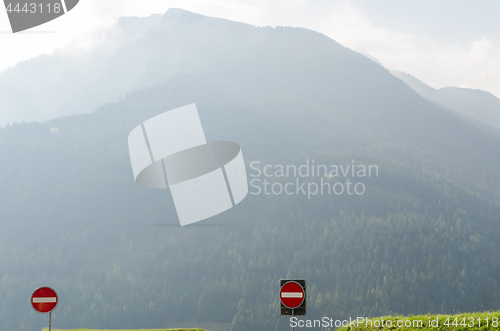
{"points": [[476, 104]]}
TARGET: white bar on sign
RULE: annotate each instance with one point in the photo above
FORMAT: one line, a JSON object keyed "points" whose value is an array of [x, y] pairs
{"points": [[44, 300], [291, 295]]}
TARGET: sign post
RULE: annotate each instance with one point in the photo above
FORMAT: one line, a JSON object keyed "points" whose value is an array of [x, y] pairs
{"points": [[293, 297], [44, 300]]}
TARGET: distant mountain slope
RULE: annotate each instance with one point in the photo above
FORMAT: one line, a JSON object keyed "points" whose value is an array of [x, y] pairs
{"points": [[476, 104], [420, 87]]}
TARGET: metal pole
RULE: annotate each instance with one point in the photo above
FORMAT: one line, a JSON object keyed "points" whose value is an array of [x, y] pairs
{"points": [[293, 327], [50, 320]]}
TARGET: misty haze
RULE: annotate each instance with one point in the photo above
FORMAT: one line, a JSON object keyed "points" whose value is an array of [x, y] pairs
{"points": [[422, 237]]}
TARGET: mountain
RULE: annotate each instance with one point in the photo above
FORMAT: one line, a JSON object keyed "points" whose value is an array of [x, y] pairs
{"points": [[479, 105], [422, 237]]}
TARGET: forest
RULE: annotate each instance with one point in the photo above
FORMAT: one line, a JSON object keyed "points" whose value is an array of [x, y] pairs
{"points": [[422, 238]]}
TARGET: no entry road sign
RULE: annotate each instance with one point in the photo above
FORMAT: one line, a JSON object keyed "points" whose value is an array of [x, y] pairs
{"points": [[44, 299], [293, 297], [292, 294]]}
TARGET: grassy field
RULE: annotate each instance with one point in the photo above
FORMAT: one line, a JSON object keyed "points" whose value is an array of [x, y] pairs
{"points": [[466, 321]]}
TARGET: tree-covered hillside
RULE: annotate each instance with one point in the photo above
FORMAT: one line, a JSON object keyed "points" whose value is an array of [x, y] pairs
{"points": [[416, 241]]}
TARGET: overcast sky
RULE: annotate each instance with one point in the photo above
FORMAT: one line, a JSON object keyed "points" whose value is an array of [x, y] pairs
{"points": [[443, 43]]}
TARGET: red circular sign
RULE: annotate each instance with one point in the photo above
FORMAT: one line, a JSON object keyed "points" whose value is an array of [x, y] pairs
{"points": [[292, 295], [44, 299]]}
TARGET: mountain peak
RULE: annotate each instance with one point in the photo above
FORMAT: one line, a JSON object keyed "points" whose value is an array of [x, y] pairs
{"points": [[174, 15]]}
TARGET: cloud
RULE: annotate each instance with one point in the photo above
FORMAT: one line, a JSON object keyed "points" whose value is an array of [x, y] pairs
{"points": [[472, 65]]}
